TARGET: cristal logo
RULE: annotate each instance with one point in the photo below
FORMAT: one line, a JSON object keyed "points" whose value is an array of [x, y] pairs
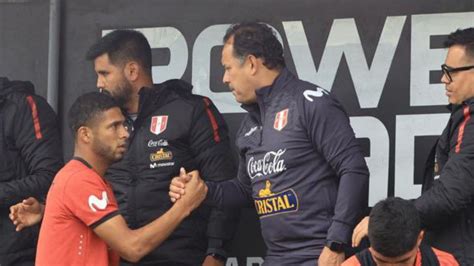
{"points": [[269, 164]]}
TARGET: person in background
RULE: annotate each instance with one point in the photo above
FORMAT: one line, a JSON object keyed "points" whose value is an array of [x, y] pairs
{"points": [[446, 207], [396, 238], [30, 156]]}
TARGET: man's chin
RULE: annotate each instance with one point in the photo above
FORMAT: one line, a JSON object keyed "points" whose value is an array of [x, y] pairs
{"points": [[117, 158]]}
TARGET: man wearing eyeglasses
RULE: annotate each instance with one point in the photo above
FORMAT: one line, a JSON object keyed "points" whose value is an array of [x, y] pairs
{"points": [[446, 206]]}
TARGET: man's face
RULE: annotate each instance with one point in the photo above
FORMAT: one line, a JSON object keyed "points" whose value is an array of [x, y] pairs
{"points": [[237, 76], [111, 78], [461, 87], [407, 259], [110, 135]]}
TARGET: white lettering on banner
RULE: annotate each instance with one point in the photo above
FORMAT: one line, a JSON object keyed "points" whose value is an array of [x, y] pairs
{"points": [[376, 132], [344, 41], [424, 59], [269, 164], [407, 128], [250, 261]]}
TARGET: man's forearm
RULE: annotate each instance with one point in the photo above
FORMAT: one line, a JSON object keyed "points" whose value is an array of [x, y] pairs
{"points": [[351, 201], [235, 196], [153, 234]]}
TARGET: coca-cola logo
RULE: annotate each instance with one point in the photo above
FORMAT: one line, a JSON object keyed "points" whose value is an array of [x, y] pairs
{"points": [[157, 143], [269, 164]]}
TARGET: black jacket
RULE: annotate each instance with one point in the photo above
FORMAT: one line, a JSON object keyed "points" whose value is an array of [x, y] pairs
{"points": [[175, 128], [30, 156], [446, 205]]}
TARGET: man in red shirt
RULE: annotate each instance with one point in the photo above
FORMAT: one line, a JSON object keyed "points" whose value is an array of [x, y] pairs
{"points": [[81, 224], [395, 236]]}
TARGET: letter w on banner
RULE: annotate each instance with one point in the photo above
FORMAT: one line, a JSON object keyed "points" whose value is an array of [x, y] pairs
{"points": [[281, 119], [158, 124]]}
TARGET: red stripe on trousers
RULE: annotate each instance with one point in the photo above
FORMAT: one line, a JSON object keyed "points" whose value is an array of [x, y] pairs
{"points": [[34, 114], [211, 116], [467, 116]]}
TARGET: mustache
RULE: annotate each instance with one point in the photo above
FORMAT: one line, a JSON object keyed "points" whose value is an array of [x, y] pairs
{"points": [[105, 91]]}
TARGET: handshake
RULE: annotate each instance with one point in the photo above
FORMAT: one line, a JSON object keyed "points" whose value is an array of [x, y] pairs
{"points": [[188, 189]]}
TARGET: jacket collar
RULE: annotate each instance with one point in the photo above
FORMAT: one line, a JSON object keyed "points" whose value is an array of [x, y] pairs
{"points": [[266, 93], [7, 86], [153, 98], [277, 86], [455, 107]]}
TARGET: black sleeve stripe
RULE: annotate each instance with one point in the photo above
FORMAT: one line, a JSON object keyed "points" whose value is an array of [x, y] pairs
{"points": [[104, 219]]}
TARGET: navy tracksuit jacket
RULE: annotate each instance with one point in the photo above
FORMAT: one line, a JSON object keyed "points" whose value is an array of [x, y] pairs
{"points": [[301, 166]]}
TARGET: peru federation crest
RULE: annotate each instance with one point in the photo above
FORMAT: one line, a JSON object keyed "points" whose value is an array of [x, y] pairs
{"points": [[281, 119], [158, 124]]}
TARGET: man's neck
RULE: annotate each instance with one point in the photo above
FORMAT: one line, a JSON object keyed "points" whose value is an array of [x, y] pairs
{"points": [[268, 77], [98, 164], [134, 103]]}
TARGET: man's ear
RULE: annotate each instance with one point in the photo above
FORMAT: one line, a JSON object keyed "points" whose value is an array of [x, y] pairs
{"points": [[420, 238], [132, 70], [84, 135], [254, 64]]}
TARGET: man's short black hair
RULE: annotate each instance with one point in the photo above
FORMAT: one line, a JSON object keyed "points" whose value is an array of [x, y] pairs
{"points": [[257, 39], [87, 108], [123, 46], [463, 37], [394, 227]]}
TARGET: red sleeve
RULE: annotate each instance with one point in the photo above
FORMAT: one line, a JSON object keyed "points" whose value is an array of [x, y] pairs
{"points": [[352, 261], [445, 258], [90, 199]]}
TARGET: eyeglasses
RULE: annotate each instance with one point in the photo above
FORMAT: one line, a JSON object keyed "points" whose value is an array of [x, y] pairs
{"points": [[447, 70]]}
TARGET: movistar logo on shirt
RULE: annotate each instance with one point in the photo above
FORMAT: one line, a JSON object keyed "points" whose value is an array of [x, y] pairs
{"points": [[269, 203], [95, 202], [269, 164]]}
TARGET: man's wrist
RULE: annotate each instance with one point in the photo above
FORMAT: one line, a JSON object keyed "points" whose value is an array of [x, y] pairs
{"points": [[335, 246], [218, 257], [216, 249]]}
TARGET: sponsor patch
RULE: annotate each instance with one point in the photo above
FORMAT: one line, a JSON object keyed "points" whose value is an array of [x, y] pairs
{"points": [[250, 132], [158, 124], [271, 163], [269, 203], [157, 143], [310, 94], [158, 165], [281, 119], [95, 202], [161, 155]]}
